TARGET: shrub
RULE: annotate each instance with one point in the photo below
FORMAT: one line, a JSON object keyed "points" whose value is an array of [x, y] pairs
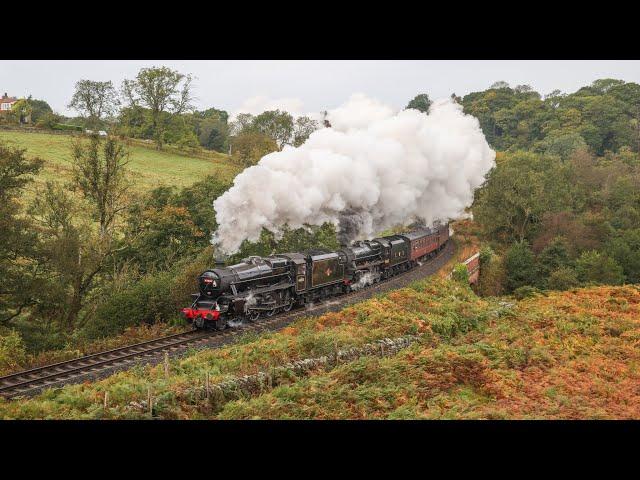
{"points": [[626, 251], [12, 351], [526, 291], [460, 273], [64, 126], [519, 266], [249, 147], [492, 278], [563, 279], [155, 298], [188, 142], [486, 255], [553, 257], [148, 301], [598, 268], [48, 120]]}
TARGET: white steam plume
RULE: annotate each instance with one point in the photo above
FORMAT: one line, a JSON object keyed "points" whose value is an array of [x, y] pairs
{"points": [[371, 170]]}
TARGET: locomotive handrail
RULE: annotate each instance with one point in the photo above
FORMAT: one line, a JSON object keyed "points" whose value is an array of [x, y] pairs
{"points": [[259, 278], [368, 256]]}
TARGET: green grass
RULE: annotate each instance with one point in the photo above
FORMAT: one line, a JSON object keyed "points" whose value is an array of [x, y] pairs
{"points": [[151, 168]]}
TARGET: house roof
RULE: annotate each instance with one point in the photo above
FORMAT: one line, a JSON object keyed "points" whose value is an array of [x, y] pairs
{"points": [[7, 99]]}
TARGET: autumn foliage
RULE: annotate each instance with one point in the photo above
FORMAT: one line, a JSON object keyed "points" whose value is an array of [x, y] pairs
{"points": [[568, 355]]}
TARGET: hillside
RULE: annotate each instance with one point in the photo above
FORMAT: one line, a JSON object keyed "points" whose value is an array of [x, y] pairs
{"points": [[567, 355], [150, 166]]}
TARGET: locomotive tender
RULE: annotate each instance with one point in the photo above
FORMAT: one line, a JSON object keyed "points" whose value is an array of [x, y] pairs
{"points": [[263, 286]]}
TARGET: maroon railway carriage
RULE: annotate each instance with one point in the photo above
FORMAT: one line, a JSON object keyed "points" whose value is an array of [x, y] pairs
{"points": [[426, 242]]}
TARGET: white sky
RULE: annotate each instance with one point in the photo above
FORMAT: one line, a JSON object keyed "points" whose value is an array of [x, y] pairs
{"points": [[313, 85]]}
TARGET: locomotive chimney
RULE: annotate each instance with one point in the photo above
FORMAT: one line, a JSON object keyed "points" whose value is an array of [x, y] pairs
{"points": [[220, 260]]}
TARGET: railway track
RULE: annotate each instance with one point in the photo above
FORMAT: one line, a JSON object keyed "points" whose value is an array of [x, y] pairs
{"points": [[49, 375], [32, 381]]}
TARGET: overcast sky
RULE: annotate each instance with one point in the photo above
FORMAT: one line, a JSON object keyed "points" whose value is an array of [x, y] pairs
{"points": [[312, 86]]}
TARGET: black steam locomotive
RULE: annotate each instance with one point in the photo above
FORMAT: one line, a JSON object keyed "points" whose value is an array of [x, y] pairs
{"points": [[263, 286]]}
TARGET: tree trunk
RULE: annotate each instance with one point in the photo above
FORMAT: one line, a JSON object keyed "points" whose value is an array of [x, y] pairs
{"points": [[157, 130], [638, 126], [524, 225], [74, 307]]}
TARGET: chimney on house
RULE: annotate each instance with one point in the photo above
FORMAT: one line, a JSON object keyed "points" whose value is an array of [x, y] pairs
{"points": [[5, 95]]}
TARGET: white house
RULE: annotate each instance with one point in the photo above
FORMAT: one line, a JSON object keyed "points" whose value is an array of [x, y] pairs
{"points": [[7, 102]]}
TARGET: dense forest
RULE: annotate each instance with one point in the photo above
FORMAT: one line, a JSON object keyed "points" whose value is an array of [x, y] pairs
{"points": [[86, 259], [562, 205]]}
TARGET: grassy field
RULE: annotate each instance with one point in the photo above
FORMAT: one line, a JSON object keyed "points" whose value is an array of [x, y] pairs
{"points": [[150, 167], [566, 355]]}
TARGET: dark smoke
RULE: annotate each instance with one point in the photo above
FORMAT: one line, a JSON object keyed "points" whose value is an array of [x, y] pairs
{"points": [[349, 226]]}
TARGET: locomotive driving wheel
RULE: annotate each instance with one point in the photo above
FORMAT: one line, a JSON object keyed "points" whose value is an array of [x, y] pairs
{"points": [[271, 298], [288, 302], [220, 323], [253, 315]]}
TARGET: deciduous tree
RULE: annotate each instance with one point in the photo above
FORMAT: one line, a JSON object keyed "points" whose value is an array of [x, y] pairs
{"points": [[19, 267], [249, 147], [94, 100], [304, 126], [275, 124], [161, 90], [99, 169], [518, 192], [420, 102]]}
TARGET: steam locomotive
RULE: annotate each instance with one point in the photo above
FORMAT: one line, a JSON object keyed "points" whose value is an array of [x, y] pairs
{"points": [[264, 286]]}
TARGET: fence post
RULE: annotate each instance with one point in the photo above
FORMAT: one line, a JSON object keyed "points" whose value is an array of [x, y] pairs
{"points": [[207, 387]]}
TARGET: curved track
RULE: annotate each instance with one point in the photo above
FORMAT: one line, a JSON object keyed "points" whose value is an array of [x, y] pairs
{"points": [[32, 381]]}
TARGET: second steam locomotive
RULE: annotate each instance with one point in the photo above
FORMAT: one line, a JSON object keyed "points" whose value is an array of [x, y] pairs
{"points": [[263, 286]]}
